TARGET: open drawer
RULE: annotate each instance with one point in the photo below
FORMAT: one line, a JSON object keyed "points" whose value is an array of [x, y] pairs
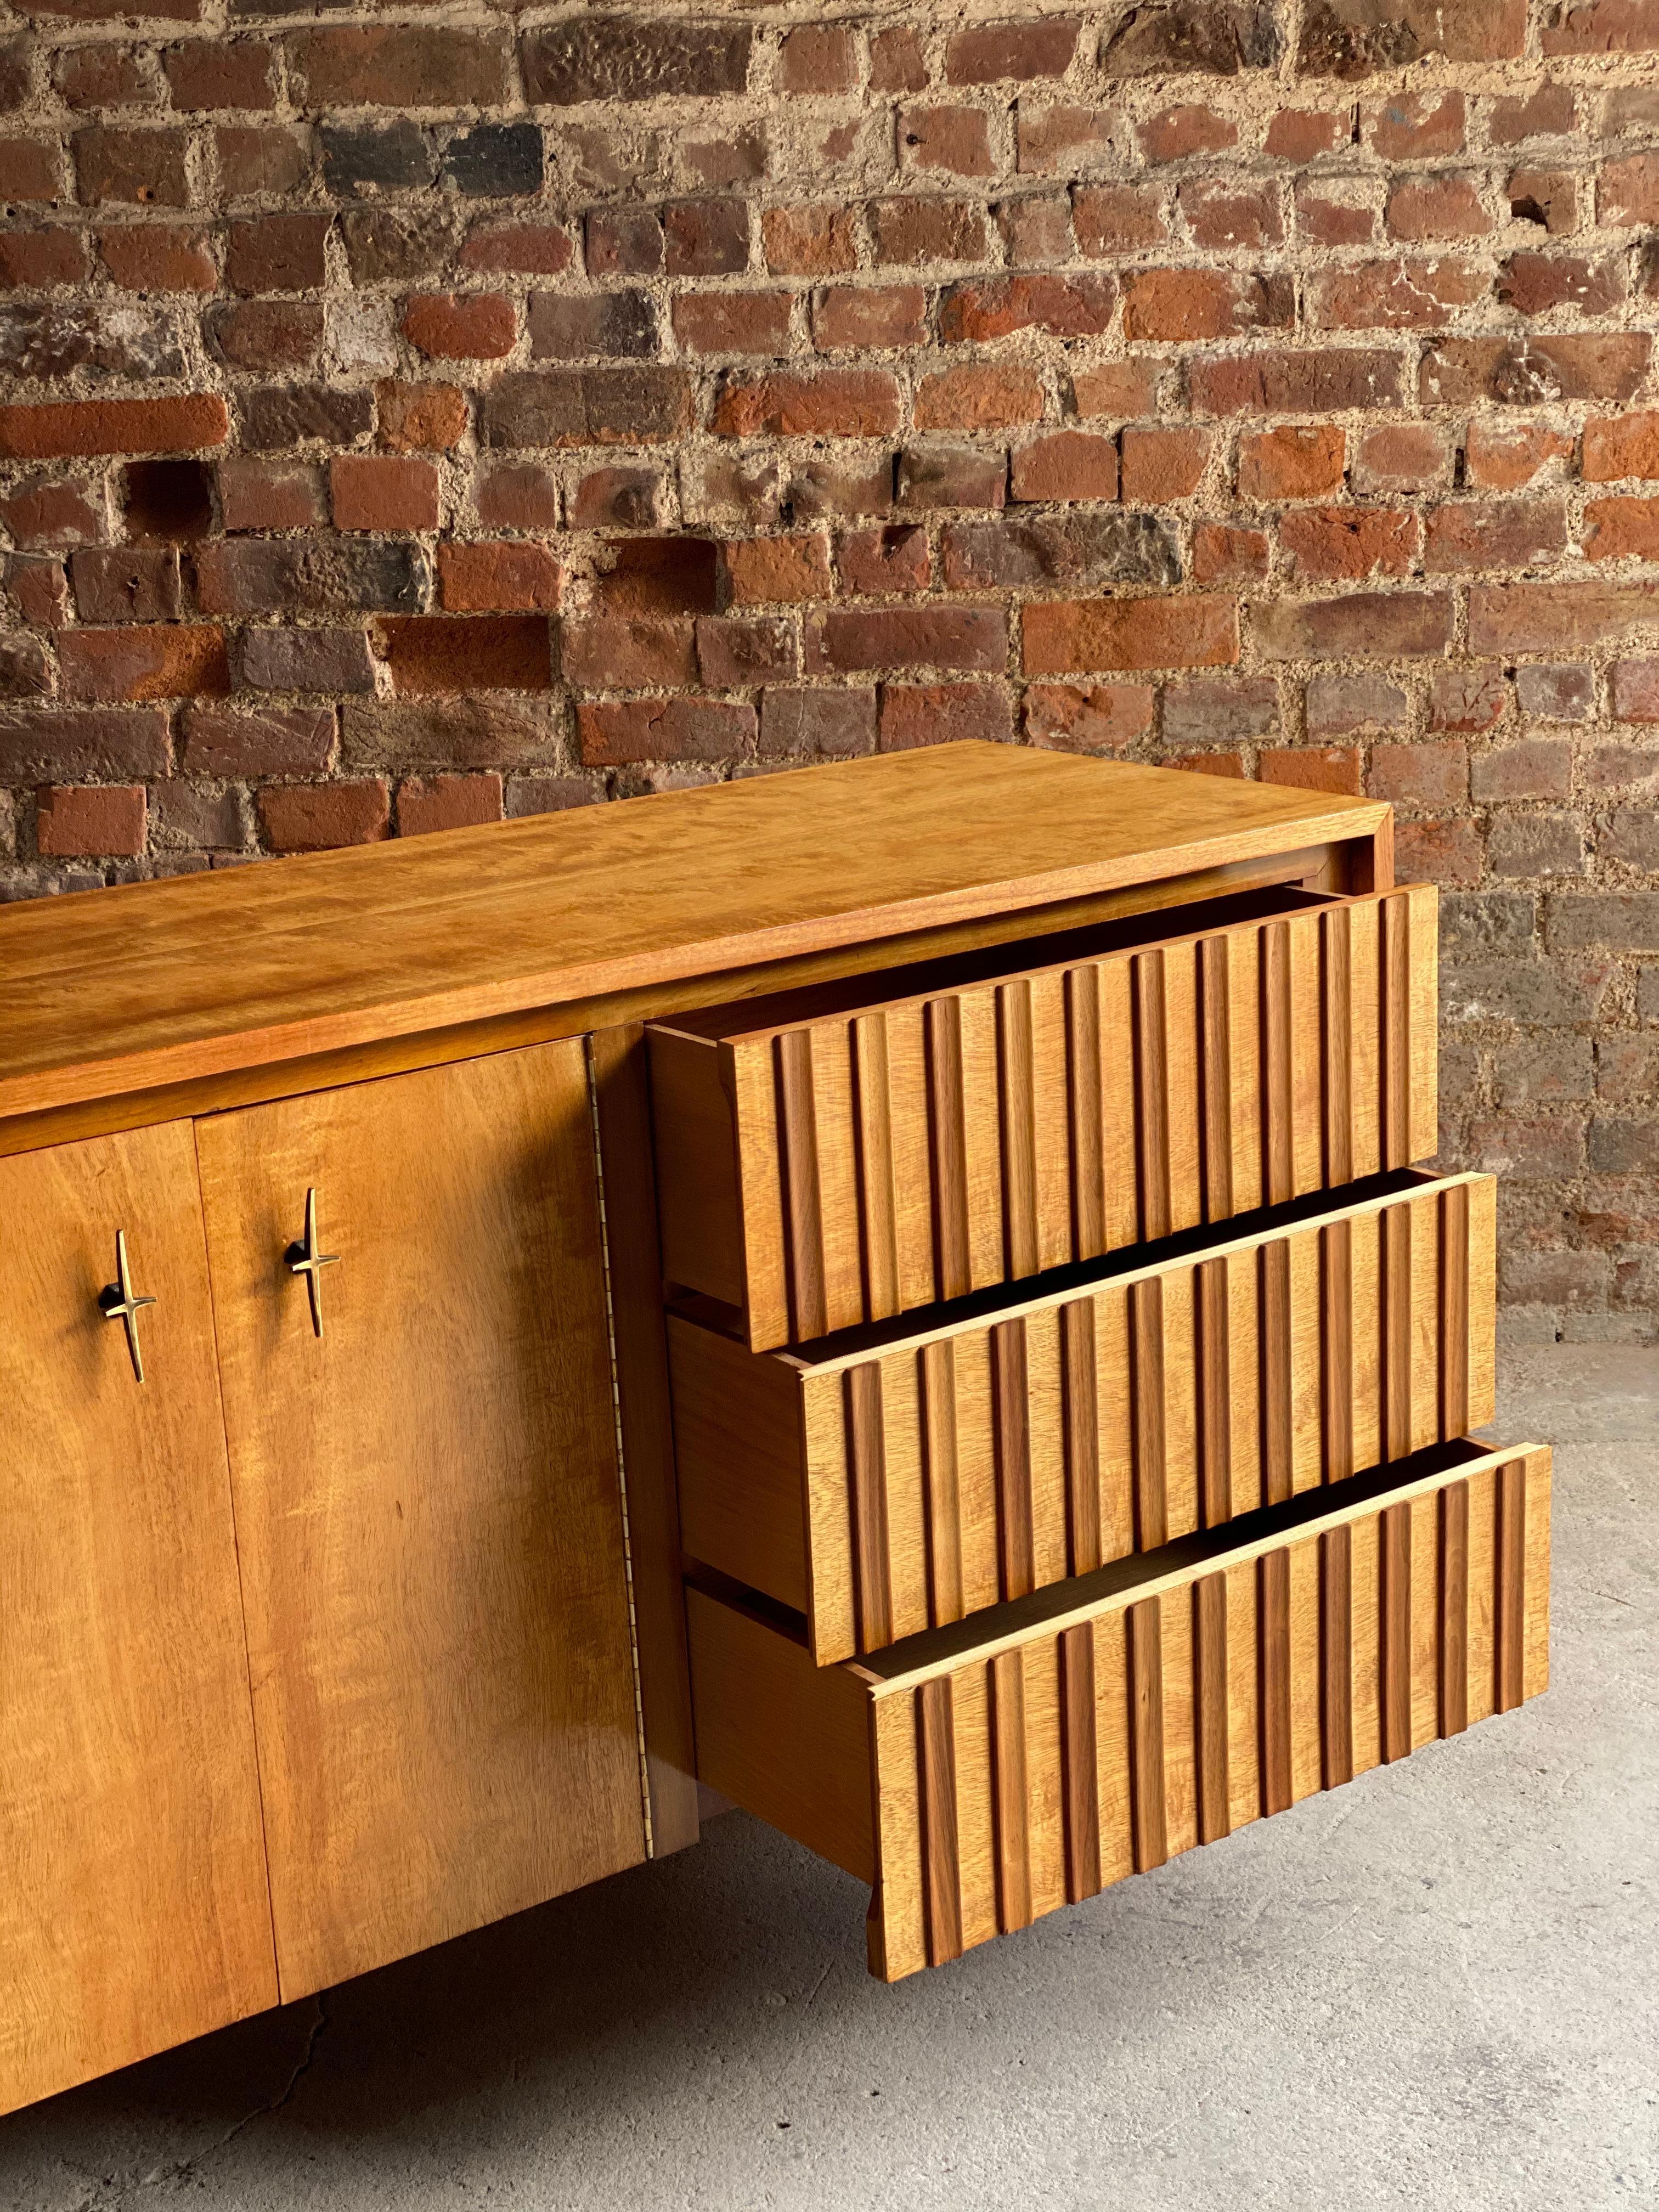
{"points": [[982, 1774], [898, 1478], [839, 1155]]}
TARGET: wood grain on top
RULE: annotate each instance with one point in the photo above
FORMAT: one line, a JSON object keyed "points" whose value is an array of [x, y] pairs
{"points": [[165, 983]]}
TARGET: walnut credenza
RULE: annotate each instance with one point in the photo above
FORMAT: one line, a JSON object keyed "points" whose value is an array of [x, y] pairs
{"points": [[989, 1175]]}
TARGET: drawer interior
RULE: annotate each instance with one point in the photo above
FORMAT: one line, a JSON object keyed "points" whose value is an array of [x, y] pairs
{"points": [[979, 1775]]}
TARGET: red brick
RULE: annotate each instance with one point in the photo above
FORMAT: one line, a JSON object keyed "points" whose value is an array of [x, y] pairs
{"points": [[1621, 445], [71, 427], [735, 652], [613, 733], [1636, 691], [632, 499], [1223, 553], [278, 741], [93, 76], [942, 713], [1064, 139], [146, 167], [1116, 219], [1331, 545], [428, 418], [1546, 112], [530, 249], [1189, 304], [1297, 134], [912, 230], [1559, 617], [706, 237], [1219, 212], [39, 589], [971, 638], [1060, 635], [29, 170], [996, 307], [381, 491], [1429, 208], [732, 322], [1499, 459], [508, 576], [403, 65], [1533, 370], [978, 396], [837, 403], [891, 559], [1311, 768], [1302, 461], [898, 63], [1445, 852], [991, 53], [166, 257], [1603, 27], [1036, 229], [1175, 133], [777, 571], [1360, 626], [1162, 465], [315, 818], [628, 653], [126, 583], [277, 252], [1538, 283], [161, 660], [518, 499], [1395, 295], [1309, 381], [447, 802], [1096, 718], [1621, 530], [809, 241], [1417, 126], [216, 73], [624, 242], [48, 743], [268, 334], [30, 260], [1228, 764], [818, 57], [449, 326], [1628, 192], [92, 819], [1066, 465], [53, 514], [878, 316], [1469, 700], [1403, 456], [431, 655], [1425, 774], [956, 140], [1117, 388], [1498, 534], [1336, 211]]}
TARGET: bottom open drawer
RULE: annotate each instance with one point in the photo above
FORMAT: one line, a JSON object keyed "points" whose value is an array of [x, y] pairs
{"points": [[981, 1775]]}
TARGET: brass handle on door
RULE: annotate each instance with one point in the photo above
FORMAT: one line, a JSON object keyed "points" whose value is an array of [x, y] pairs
{"points": [[117, 1302], [304, 1259]]}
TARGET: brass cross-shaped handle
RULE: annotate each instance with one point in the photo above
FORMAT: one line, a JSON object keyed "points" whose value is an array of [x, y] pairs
{"points": [[116, 1302], [304, 1259]]}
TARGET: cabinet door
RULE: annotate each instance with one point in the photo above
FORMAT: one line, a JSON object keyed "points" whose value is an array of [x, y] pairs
{"points": [[133, 1908], [428, 1503]]}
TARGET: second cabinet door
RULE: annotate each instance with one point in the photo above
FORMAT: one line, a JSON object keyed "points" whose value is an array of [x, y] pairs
{"points": [[426, 1503]]}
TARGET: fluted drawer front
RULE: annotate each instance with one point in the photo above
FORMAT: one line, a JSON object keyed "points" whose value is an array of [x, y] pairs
{"points": [[1176, 1700], [884, 1489], [846, 1168]]}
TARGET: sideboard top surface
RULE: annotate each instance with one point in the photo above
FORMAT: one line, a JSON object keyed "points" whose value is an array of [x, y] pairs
{"points": [[160, 982]]}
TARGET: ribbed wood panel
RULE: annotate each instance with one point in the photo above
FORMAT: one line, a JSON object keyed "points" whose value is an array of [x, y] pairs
{"points": [[924, 1148], [1116, 1741], [948, 1472]]}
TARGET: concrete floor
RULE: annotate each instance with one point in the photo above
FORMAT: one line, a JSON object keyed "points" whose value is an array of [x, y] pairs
{"points": [[1437, 1986]]}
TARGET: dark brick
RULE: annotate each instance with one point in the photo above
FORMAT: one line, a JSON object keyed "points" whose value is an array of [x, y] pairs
{"points": [[575, 326], [403, 244], [1077, 550], [633, 57], [296, 414], [377, 157], [494, 160], [126, 583], [1202, 37], [319, 576], [588, 407], [823, 723]]}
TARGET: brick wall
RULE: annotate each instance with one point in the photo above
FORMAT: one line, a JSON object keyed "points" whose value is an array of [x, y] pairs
{"points": [[411, 418]]}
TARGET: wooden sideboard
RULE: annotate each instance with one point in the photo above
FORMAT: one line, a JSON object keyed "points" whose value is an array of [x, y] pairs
{"points": [[992, 1173]]}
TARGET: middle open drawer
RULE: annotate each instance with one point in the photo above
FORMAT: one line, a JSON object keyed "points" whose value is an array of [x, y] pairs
{"points": [[898, 1478]]}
